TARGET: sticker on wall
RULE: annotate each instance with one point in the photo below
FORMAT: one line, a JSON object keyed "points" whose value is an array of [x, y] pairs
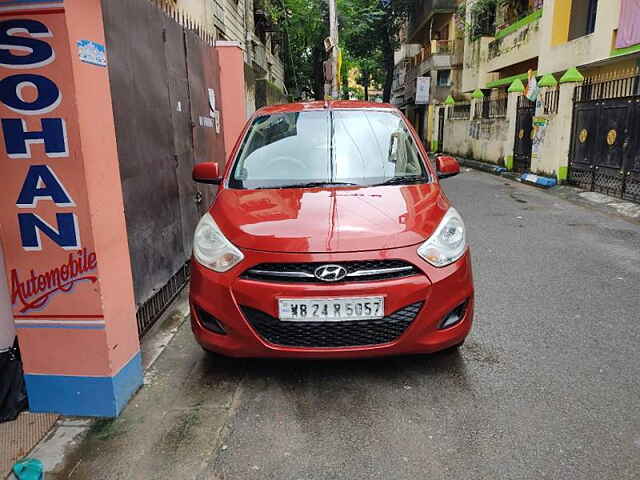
{"points": [[538, 134], [217, 120], [206, 122], [92, 52], [212, 102]]}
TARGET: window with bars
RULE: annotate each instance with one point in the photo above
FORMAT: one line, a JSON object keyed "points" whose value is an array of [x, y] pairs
{"points": [[460, 111], [551, 98], [491, 107]]}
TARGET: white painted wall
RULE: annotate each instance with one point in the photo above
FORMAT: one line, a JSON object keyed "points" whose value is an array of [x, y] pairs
{"points": [[581, 51], [519, 46], [475, 72], [459, 139], [7, 328], [552, 155], [488, 140]]}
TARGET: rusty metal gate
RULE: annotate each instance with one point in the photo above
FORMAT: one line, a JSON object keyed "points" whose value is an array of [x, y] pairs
{"points": [[160, 73], [525, 112], [605, 142]]}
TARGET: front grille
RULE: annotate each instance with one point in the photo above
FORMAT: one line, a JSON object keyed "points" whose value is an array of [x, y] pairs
{"points": [[332, 334], [357, 271]]}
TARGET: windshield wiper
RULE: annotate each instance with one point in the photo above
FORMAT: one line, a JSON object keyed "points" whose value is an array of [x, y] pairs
{"points": [[312, 184], [405, 180]]}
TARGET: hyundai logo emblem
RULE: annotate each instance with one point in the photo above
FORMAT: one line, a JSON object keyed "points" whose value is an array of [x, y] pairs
{"points": [[330, 273]]}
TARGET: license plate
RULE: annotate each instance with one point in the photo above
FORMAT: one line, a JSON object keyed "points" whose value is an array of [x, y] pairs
{"points": [[330, 309]]}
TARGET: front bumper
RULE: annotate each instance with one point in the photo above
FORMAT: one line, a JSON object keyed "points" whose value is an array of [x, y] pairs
{"points": [[225, 295]]}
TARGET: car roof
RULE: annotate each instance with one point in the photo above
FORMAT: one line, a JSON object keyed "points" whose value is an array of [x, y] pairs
{"points": [[325, 105]]}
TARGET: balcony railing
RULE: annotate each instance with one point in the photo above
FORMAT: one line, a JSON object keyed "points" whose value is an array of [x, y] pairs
{"points": [[460, 111], [491, 108], [525, 18], [425, 9], [445, 47], [435, 47], [495, 47]]}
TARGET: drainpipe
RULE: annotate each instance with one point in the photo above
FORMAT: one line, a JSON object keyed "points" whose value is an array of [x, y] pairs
{"points": [[246, 26]]}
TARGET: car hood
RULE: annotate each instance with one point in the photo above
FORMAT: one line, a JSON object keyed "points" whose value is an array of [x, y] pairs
{"points": [[323, 220]]}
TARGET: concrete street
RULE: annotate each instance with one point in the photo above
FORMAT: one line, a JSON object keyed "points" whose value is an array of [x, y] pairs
{"points": [[546, 387]]}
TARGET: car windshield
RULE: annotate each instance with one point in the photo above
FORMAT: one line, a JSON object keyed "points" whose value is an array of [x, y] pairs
{"points": [[327, 147]]}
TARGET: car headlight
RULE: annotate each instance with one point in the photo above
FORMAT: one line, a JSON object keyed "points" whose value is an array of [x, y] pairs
{"points": [[448, 242], [211, 248]]}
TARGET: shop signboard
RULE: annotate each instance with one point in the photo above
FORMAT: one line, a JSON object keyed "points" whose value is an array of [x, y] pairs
{"points": [[423, 85], [51, 264]]}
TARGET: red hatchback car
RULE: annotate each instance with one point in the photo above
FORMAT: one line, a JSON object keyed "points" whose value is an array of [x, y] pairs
{"points": [[330, 237]]}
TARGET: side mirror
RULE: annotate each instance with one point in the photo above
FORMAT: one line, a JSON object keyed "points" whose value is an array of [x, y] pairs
{"points": [[207, 172], [447, 166]]}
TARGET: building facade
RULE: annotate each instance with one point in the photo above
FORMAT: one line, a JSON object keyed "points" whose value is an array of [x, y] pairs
{"points": [[585, 57], [432, 48], [247, 23]]}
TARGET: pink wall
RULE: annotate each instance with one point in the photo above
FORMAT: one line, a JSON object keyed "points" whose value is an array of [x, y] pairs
{"points": [[84, 18], [232, 97], [50, 301], [69, 276]]}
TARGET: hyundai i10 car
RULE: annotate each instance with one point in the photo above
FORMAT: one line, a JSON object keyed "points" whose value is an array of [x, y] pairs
{"points": [[330, 237]]}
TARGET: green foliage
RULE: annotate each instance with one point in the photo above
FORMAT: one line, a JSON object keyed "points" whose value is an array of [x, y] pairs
{"points": [[512, 10], [518, 7], [482, 18], [304, 26], [461, 17], [368, 35]]}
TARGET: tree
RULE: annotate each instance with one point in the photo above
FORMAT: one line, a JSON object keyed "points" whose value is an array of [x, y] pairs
{"points": [[304, 25], [368, 33]]}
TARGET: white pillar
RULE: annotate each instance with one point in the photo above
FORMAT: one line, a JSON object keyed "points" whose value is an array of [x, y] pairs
{"points": [[509, 144], [7, 327]]}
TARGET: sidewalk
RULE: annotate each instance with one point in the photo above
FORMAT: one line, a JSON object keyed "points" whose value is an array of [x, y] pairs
{"points": [[598, 201], [168, 428], [18, 437]]}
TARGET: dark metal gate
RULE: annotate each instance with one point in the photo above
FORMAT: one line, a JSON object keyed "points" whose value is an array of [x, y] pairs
{"points": [[605, 142], [160, 73], [441, 129], [525, 111]]}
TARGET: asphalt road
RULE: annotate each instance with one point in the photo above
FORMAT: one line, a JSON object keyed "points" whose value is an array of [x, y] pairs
{"points": [[546, 387]]}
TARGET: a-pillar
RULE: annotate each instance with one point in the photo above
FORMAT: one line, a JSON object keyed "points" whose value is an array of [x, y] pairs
{"points": [[515, 91], [568, 84], [62, 219]]}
